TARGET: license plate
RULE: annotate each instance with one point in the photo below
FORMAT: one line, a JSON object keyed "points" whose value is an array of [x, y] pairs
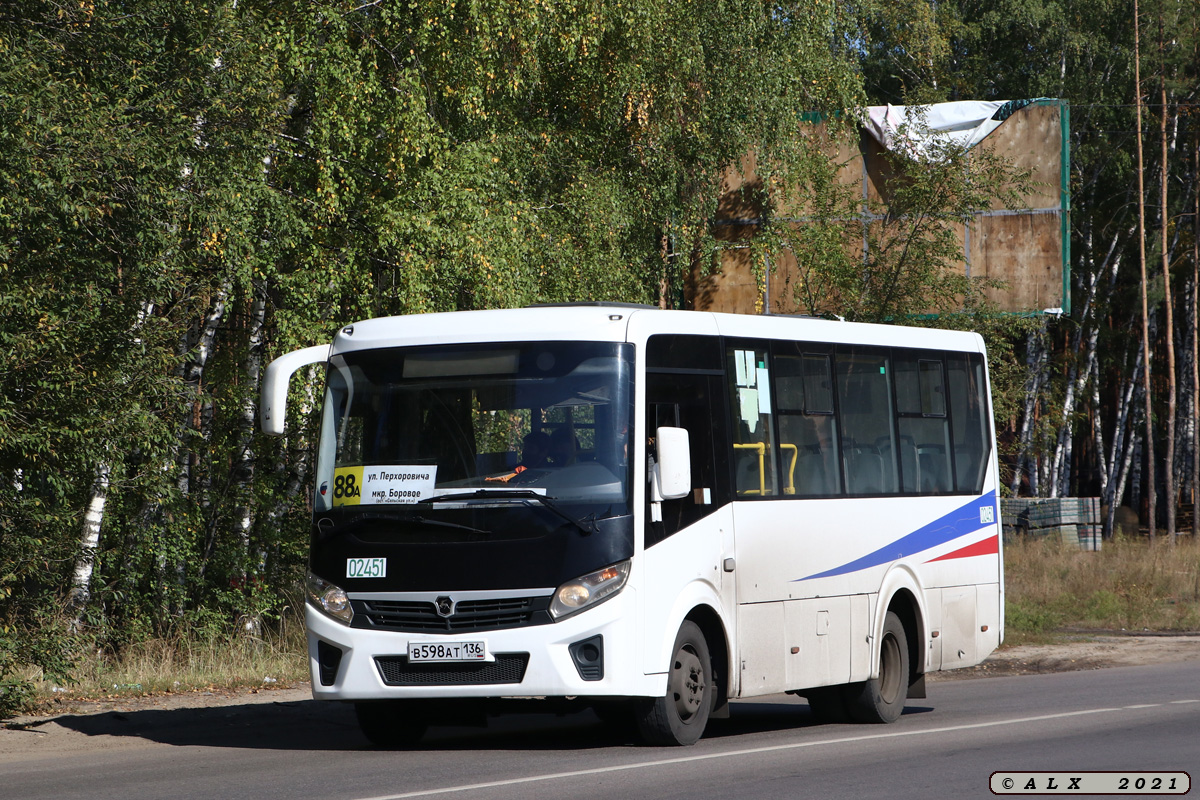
{"points": [[447, 651]]}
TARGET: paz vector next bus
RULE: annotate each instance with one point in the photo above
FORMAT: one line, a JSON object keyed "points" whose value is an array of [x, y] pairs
{"points": [[646, 512]]}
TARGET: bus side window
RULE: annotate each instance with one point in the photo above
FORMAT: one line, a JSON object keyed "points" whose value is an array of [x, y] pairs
{"points": [[969, 411], [807, 425], [924, 429], [868, 436], [682, 400], [753, 451]]}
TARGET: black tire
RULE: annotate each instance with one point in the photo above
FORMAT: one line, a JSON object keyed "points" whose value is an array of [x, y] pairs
{"points": [[680, 716], [881, 699], [390, 723]]}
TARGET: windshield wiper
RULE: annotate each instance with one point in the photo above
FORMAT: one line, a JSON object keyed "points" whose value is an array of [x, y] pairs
{"points": [[517, 494]]}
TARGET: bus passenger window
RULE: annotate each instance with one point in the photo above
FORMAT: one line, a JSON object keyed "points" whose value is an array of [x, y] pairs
{"points": [[753, 455], [807, 426], [969, 411], [924, 430], [868, 438]]}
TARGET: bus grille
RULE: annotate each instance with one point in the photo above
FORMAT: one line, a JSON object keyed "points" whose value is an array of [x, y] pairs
{"points": [[507, 668], [469, 615]]}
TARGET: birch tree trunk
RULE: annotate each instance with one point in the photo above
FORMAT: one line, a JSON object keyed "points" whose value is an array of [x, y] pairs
{"points": [[1121, 452], [89, 545], [1107, 461], [1059, 465], [244, 473], [1028, 461], [89, 539], [1098, 433], [190, 371], [1185, 414], [1085, 339]]}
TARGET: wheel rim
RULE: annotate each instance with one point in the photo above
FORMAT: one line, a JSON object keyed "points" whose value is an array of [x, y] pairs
{"points": [[890, 678], [688, 684]]}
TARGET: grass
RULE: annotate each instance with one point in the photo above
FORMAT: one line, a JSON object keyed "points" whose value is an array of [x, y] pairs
{"points": [[1128, 585], [187, 663]]}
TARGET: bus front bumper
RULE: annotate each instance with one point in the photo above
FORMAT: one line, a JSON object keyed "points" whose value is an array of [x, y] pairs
{"points": [[553, 660]]}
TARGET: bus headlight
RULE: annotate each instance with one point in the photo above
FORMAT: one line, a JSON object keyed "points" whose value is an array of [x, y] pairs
{"points": [[588, 590], [328, 598]]}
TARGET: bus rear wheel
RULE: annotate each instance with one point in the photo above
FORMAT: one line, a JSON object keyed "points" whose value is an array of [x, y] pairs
{"points": [[882, 699], [390, 723], [680, 716]]}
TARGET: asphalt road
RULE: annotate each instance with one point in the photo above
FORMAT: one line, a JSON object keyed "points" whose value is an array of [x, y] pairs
{"points": [[947, 746]]}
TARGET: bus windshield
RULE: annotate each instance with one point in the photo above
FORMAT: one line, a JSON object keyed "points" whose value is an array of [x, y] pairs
{"points": [[530, 425]]}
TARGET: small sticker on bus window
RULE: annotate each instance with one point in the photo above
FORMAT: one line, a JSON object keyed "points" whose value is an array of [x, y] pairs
{"points": [[743, 365], [764, 391], [748, 406]]}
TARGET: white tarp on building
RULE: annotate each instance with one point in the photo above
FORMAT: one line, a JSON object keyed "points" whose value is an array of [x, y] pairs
{"points": [[917, 128]]}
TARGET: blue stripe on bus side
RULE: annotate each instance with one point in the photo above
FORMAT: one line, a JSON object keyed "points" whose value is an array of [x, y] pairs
{"points": [[959, 522]]}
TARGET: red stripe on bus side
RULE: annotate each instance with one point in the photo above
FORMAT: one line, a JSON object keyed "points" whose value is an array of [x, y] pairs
{"points": [[987, 547]]}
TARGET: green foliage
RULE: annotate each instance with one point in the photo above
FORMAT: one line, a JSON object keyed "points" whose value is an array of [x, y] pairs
{"points": [[188, 189]]}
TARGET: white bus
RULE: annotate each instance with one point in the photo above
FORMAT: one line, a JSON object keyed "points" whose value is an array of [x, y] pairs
{"points": [[648, 512]]}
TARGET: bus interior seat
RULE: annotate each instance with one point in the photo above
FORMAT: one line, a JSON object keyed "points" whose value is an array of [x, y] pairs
{"points": [[910, 462], [746, 473], [864, 469], [812, 475], [932, 460]]}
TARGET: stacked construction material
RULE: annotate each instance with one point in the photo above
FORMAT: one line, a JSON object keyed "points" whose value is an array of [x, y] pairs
{"points": [[1014, 517], [1074, 521]]}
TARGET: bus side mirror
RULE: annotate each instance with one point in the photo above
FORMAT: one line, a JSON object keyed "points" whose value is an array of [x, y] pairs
{"points": [[672, 476], [272, 407]]}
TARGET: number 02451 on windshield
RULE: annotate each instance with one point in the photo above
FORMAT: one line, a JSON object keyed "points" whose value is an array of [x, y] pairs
{"points": [[366, 568]]}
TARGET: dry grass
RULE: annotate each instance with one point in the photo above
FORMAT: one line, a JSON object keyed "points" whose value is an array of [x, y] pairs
{"points": [[1128, 585], [188, 663]]}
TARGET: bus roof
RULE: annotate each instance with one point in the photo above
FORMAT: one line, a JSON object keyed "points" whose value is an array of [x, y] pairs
{"points": [[626, 322]]}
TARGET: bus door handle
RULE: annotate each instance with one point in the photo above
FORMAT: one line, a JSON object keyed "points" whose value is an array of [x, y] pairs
{"points": [[728, 565]]}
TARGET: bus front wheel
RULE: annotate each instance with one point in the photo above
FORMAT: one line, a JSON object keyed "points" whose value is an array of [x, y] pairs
{"points": [[882, 699], [390, 723], [680, 716]]}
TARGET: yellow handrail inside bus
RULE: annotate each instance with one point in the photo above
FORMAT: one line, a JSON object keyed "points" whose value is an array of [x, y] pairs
{"points": [[761, 448], [791, 487]]}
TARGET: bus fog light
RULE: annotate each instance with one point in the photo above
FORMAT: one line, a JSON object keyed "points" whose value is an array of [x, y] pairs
{"points": [[588, 590], [329, 598]]}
